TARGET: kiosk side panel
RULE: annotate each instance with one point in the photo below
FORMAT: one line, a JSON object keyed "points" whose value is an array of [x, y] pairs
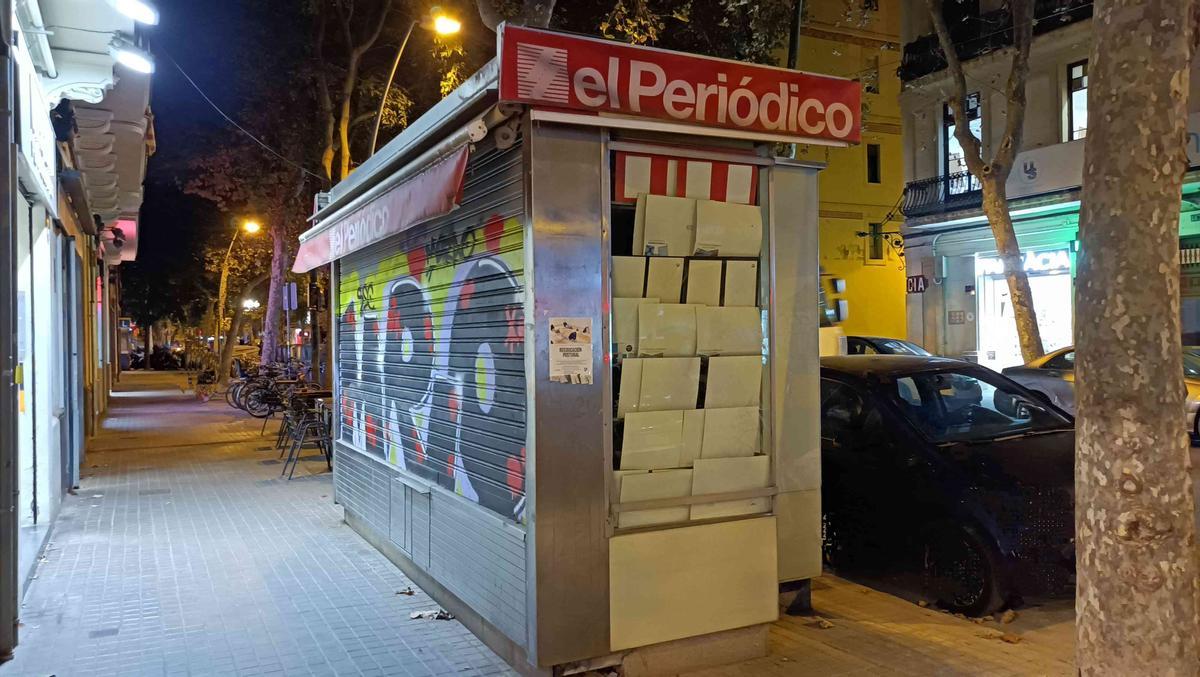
{"points": [[431, 434], [796, 368], [568, 549]]}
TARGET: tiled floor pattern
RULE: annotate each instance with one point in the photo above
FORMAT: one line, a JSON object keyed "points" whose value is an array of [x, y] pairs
{"points": [[184, 553]]}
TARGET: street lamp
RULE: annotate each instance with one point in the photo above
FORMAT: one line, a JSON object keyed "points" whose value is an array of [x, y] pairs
{"points": [[251, 227], [443, 24]]}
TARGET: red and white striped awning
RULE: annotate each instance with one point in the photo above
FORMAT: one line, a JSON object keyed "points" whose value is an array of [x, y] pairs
{"points": [[652, 174]]}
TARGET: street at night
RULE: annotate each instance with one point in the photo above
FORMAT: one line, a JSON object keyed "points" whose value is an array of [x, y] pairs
{"points": [[614, 337]]}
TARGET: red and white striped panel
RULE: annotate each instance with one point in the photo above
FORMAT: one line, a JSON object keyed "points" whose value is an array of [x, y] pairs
{"points": [[639, 173]]}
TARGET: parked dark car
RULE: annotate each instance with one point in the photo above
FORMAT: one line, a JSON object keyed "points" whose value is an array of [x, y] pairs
{"points": [[948, 469], [878, 345]]}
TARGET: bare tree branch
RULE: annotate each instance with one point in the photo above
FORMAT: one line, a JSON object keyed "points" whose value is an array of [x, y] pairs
{"points": [[972, 148]]}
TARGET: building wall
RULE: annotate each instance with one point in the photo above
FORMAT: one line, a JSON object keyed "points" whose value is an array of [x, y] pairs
{"points": [[831, 45]]}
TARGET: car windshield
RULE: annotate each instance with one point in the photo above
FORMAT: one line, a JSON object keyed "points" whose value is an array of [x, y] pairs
{"points": [[970, 406], [898, 347], [1191, 364]]}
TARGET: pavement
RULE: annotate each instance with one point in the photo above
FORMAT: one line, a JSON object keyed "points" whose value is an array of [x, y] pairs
{"points": [[184, 553]]}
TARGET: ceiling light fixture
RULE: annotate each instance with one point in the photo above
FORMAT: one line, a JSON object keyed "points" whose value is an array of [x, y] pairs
{"points": [[130, 55]]}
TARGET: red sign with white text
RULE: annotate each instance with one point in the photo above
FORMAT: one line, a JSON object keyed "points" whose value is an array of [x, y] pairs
{"points": [[572, 72]]}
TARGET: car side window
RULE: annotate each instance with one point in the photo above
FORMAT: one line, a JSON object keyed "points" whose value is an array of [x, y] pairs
{"points": [[859, 347], [841, 410], [1064, 361]]}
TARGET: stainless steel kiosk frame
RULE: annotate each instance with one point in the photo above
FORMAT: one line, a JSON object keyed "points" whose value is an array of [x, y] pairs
{"points": [[496, 487]]}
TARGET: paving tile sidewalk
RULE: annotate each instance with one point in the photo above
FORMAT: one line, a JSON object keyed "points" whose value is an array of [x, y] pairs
{"points": [[184, 553]]}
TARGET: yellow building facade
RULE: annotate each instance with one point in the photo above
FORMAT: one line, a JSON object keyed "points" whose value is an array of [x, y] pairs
{"points": [[861, 252]]}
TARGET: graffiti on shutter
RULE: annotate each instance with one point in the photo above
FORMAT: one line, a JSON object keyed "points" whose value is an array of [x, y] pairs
{"points": [[431, 352]]}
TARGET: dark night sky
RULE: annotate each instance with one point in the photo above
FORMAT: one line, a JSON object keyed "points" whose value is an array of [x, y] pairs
{"points": [[208, 39]]}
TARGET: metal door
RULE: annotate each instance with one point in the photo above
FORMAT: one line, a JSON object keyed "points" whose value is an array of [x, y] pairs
{"points": [[431, 373]]}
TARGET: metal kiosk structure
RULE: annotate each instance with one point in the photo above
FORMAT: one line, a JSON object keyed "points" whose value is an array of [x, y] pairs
{"points": [[576, 350]]}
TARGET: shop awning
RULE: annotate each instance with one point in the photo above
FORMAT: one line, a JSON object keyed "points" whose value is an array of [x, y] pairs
{"points": [[429, 193]]}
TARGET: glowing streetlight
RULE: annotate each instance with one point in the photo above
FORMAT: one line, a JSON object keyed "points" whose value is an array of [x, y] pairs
{"points": [[446, 25], [251, 227], [251, 304], [442, 24]]}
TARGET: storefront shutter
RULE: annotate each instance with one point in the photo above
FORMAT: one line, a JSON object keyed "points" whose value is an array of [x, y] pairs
{"points": [[431, 343]]}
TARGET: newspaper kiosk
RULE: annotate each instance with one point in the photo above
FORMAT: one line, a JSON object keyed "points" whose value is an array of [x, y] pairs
{"points": [[576, 349]]}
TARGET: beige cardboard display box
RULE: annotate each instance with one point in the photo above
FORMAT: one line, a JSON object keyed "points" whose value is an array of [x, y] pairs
{"points": [[654, 485], [629, 276], [652, 440], [725, 475], [669, 383], [670, 226], [727, 229], [664, 281], [741, 283], [734, 381], [704, 282], [666, 330], [728, 331], [625, 325]]}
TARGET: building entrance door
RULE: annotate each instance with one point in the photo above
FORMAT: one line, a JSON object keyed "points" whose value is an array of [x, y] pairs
{"points": [[1053, 301]]}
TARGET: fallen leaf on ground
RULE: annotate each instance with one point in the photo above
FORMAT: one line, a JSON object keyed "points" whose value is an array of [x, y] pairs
{"points": [[989, 634], [923, 604], [824, 624], [407, 591], [1010, 638], [1008, 616], [433, 615]]}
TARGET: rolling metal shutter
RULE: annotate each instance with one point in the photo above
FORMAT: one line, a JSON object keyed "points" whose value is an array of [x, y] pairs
{"points": [[431, 369]]}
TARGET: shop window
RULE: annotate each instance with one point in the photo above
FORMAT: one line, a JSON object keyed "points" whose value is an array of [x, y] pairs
{"points": [[954, 163], [1077, 83], [874, 172], [876, 247]]}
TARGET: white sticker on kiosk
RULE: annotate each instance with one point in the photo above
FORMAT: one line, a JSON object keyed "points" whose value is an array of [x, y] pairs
{"points": [[571, 350]]}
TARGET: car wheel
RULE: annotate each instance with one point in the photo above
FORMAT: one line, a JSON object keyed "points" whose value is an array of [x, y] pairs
{"points": [[961, 572]]}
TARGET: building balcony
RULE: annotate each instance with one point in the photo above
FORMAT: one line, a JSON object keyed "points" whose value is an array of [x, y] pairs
{"points": [[986, 33], [942, 194]]}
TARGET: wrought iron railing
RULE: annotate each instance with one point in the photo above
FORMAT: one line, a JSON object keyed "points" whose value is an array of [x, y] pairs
{"points": [[942, 194], [986, 33]]}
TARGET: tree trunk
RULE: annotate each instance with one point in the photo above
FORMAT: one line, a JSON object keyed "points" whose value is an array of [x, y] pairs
{"points": [[1136, 601], [270, 333], [995, 207], [235, 325], [994, 175], [344, 123]]}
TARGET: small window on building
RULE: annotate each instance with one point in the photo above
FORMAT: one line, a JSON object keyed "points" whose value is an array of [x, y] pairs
{"points": [[874, 173], [954, 163], [1077, 83], [875, 243]]}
